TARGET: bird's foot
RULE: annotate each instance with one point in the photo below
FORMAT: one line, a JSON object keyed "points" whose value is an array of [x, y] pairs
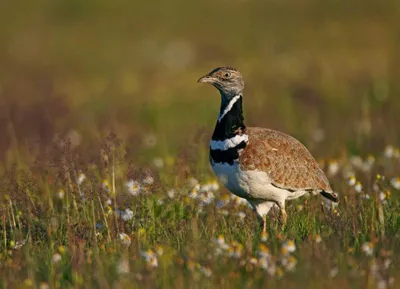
{"points": [[283, 218]]}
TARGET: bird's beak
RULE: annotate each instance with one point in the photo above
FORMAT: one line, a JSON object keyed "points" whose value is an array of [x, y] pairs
{"points": [[206, 79]]}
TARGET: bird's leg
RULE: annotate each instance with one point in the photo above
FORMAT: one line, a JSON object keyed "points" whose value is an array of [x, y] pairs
{"points": [[264, 224], [283, 218]]}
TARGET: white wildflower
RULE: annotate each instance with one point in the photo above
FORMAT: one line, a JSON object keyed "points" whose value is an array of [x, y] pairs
{"points": [[368, 248], [206, 271], [351, 181], [395, 182], [171, 193], [134, 187], [158, 163], [125, 239], [214, 186], [56, 258], [389, 151], [357, 162], [150, 257], [108, 202], [81, 178], [193, 194], [106, 186], [333, 168], [206, 198], [263, 251], [61, 194], [289, 262], [193, 183], [126, 214], [123, 266], [288, 247], [358, 187], [333, 272]]}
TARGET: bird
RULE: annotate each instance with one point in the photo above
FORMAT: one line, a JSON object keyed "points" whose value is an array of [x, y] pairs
{"points": [[264, 166]]}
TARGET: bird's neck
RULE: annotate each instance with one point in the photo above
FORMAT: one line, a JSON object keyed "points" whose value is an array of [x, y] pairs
{"points": [[230, 121]]}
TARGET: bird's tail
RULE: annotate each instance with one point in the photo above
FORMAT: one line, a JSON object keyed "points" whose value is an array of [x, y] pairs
{"points": [[331, 196]]}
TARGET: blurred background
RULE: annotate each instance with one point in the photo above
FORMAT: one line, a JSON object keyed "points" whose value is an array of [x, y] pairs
{"points": [[324, 71]]}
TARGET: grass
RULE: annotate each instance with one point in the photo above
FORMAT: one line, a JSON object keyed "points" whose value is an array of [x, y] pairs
{"points": [[91, 227], [104, 174]]}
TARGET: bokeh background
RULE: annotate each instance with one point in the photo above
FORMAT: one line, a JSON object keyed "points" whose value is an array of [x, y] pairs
{"points": [[324, 71]]}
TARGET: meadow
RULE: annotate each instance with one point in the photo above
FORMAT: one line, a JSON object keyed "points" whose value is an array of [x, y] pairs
{"points": [[104, 174]]}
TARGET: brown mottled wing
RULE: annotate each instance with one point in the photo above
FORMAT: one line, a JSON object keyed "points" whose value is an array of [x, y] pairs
{"points": [[288, 163]]}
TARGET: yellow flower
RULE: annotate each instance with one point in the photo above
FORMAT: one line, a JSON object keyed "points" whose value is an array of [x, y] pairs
{"points": [[62, 250]]}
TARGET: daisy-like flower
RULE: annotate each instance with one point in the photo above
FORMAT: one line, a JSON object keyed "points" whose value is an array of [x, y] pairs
{"points": [[81, 178], [193, 194], [388, 152], [333, 168], [357, 162], [289, 262], [384, 196], [334, 272], [194, 183], [267, 265], [123, 266], [288, 247], [158, 163], [106, 185], [395, 182], [358, 187], [108, 202], [365, 197], [171, 193], [368, 248], [214, 186], [126, 214], [222, 246], [351, 181], [134, 187], [61, 194], [235, 250], [263, 251], [56, 258], [125, 239], [206, 271], [151, 258], [207, 197], [109, 210], [44, 285]]}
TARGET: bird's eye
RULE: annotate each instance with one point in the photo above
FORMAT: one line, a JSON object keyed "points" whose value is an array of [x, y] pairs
{"points": [[227, 74]]}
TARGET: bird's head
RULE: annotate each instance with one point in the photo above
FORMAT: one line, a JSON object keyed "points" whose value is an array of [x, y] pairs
{"points": [[227, 80]]}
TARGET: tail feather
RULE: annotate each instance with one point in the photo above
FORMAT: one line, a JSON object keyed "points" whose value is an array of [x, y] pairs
{"points": [[330, 196]]}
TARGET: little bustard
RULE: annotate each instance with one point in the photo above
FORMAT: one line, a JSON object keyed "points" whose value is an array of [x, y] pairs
{"points": [[264, 166]]}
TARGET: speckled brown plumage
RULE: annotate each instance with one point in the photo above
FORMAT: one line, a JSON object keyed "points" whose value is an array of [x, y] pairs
{"points": [[288, 163], [264, 166]]}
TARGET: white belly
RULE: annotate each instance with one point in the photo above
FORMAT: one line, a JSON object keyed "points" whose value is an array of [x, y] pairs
{"points": [[251, 184]]}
